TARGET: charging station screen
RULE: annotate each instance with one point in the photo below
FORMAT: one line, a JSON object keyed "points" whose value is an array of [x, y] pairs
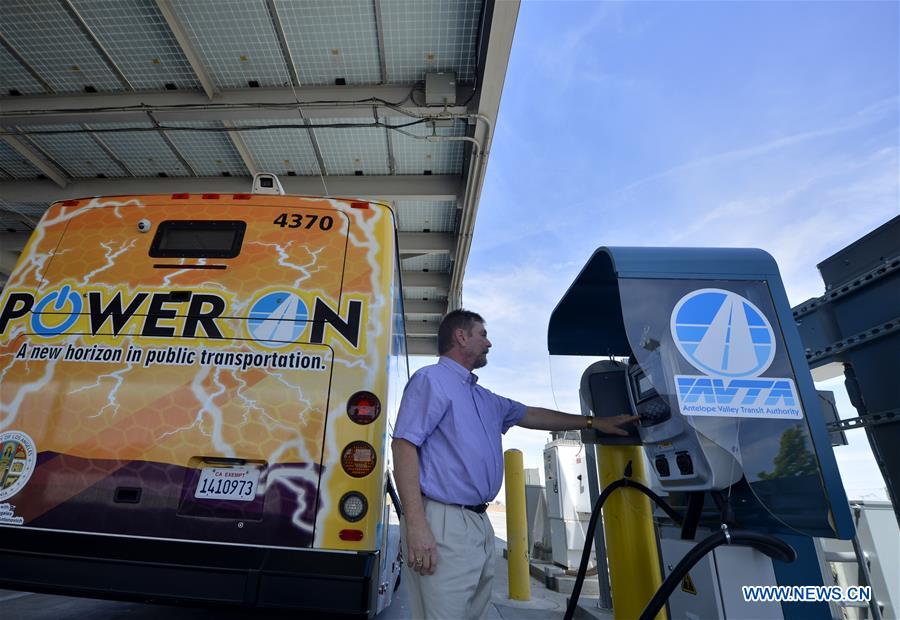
{"points": [[714, 351]]}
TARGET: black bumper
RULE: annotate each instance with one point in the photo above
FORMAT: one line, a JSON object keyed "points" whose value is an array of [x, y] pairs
{"points": [[185, 572]]}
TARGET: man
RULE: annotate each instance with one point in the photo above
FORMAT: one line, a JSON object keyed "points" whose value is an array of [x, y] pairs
{"points": [[448, 464]]}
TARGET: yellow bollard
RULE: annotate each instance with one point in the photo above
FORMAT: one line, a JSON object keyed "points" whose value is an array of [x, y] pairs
{"points": [[634, 570], [516, 527]]}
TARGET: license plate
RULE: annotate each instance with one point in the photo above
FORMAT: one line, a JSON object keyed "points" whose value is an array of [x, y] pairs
{"points": [[236, 484]]}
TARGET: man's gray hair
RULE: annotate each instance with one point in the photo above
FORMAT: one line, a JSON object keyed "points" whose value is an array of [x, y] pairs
{"points": [[457, 319]]}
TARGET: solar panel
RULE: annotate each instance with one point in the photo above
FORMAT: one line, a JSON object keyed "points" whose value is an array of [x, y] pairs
{"points": [[434, 263], [346, 151], [421, 37], [426, 215], [423, 293], [13, 76], [52, 43], [414, 156], [210, 153], [77, 153], [331, 40], [281, 151], [15, 164], [235, 40], [137, 37], [144, 153]]}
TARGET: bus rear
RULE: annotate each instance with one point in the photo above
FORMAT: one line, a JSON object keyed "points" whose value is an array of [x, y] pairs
{"points": [[196, 392]]}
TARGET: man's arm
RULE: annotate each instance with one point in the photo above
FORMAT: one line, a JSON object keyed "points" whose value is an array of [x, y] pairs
{"points": [[420, 540], [548, 420]]}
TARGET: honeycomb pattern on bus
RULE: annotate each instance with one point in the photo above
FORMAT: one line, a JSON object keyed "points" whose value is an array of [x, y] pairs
{"points": [[176, 414]]}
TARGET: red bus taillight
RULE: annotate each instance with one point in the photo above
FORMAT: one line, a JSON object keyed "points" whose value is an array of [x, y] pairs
{"points": [[363, 407]]}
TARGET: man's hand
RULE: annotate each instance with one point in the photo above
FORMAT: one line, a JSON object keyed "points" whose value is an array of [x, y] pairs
{"points": [[422, 548], [613, 426], [419, 538], [549, 420]]}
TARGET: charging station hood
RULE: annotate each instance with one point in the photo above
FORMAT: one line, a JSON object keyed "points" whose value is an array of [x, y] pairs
{"points": [[712, 332]]}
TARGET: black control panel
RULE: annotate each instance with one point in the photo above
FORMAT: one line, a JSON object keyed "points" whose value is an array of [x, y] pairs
{"points": [[605, 384], [648, 404]]}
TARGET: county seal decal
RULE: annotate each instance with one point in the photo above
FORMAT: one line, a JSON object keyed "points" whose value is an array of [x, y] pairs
{"points": [[17, 459]]}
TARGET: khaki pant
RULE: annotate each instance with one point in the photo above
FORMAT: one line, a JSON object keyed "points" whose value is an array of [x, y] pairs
{"points": [[461, 586]]}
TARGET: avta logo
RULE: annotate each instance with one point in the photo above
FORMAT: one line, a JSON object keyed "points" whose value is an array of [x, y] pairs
{"points": [[730, 340], [276, 318], [280, 318], [721, 333]]}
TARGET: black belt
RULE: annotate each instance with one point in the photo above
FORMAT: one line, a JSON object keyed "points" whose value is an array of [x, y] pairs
{"points": [[479, 508]]}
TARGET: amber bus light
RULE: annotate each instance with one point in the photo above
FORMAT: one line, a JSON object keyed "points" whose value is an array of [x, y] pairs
{"points": [[358, 459]]}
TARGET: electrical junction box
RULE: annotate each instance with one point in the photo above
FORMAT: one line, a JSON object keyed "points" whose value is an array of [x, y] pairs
{"points": [[440, 89], [568, 499]]}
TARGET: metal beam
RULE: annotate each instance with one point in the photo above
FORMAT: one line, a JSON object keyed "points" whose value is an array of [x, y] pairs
{"points": [[422, 346], [242, 149], [181, 37], [424, 307], [165, 138], [243, 104], [378, 188], [15, 241], [8, 262], [109, 152], [426, 243], [282, 42], [95, 42], [11, 246], [12, 212], [389, 143], [379, 30], [426, 279], [419, 329], [493, 60], [25, 64], [49, 169]]}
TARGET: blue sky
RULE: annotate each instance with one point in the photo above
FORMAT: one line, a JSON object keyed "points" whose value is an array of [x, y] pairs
{"points": [[740, 124]]}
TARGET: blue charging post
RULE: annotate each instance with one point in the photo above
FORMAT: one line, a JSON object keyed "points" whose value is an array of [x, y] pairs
{"points": [[709, 331]]}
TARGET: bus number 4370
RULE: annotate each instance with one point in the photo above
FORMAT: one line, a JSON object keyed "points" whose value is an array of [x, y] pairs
{"points": [[295, 220]]}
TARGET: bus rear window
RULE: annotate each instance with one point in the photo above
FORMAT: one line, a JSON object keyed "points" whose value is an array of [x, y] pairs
{"points": [[198, 239]]}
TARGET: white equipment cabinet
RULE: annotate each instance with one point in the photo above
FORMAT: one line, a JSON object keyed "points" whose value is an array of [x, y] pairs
{"points": [[568, 500]]}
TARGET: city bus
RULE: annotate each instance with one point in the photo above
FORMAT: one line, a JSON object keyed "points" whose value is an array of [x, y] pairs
{"points": [[195, 397]]}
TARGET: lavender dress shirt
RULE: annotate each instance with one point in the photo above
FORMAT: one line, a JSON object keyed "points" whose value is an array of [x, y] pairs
{"points": [[456, 425]]}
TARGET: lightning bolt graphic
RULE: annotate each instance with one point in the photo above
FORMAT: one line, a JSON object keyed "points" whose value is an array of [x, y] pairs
{"points": [[112, 398], [10, 410], [366, 239], [111, 256], [283, 257], [286, 477]]}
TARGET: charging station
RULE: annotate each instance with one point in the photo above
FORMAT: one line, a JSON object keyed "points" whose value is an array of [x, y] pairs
{"points": [[703, 347]]}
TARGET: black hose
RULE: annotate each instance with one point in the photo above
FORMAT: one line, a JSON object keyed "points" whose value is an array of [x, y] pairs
{"points": [[592, 526], [773, 547]]}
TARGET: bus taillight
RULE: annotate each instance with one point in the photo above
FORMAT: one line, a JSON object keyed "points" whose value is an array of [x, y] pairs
{"points": [[358, 459], [363, 407], [350, 535], [353, 506]]}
